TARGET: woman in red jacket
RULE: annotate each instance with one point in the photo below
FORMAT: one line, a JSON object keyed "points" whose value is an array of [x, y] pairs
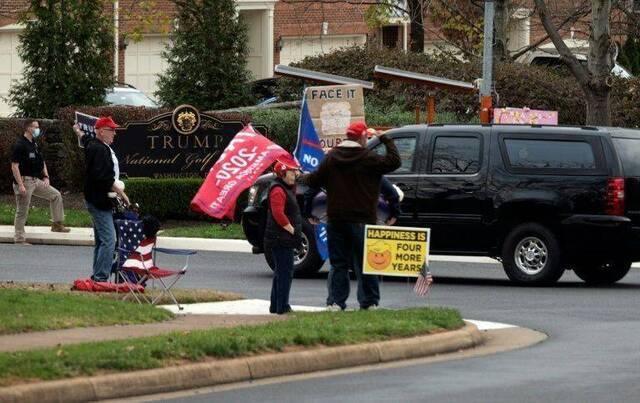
{"points": [[283, 232]]}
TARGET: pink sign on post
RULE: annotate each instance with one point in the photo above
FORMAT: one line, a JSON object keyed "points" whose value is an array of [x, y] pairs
{"points": [[524, 116]]}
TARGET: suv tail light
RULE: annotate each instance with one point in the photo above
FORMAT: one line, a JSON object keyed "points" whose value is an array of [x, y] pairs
{"points": [[615, 196]]}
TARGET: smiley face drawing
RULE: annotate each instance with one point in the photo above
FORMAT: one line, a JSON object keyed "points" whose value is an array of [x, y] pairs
{"points": [[379, 255]]}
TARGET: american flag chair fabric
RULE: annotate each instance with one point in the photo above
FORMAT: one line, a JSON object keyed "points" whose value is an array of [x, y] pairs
{"points": [[130, 236], [141, 263]]}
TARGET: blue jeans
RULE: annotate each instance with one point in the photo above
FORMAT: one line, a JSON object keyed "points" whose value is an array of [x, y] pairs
{"points": [[282, 277], [104, 233], [346, 244]]}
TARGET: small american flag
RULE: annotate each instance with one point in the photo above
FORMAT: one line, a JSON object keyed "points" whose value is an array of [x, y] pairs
{"points": [[423, 283]]}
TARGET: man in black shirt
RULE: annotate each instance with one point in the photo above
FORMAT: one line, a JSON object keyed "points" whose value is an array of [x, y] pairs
{"points": [[31, 178]]}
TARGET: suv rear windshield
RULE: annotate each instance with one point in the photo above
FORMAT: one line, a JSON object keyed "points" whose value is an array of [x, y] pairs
{"points": [[629, 150], [550, 154]]}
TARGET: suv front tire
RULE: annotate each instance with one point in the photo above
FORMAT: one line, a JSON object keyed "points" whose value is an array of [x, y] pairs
{"points": [[531, 255]]}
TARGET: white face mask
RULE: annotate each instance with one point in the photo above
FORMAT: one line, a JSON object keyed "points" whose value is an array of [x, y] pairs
{"points": [[36, 133]]}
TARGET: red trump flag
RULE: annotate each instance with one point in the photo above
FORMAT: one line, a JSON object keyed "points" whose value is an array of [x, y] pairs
{"points": [[247, 156]]}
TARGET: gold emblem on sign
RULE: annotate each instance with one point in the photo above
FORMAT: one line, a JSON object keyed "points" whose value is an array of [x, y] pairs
{"points": [[185, 119]]}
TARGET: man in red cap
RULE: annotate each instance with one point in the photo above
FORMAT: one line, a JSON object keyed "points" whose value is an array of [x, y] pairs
{"points": [[351, 175], [102, 185], [283, 231]]}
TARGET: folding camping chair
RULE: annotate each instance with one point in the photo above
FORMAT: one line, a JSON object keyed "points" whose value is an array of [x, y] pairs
{"points": [[137, 264]]}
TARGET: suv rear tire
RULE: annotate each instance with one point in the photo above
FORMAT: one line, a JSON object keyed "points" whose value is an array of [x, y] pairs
{"points": [[306, 261], [604, 273], [531, 255]]}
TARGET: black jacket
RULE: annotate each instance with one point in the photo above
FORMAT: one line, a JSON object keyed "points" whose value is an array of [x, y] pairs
{"points": [[100, 173], [388, 192], [351, 175]]}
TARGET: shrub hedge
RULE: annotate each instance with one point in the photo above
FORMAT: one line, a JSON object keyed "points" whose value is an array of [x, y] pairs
{"points": [[169, 198], [164, 198], [516, 85]]}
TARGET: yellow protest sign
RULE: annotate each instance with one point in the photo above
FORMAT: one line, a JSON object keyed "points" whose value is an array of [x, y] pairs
{"points": [[395, 251]]}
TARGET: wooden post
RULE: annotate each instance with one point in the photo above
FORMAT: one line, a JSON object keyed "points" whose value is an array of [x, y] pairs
{"points": [[417, 114], [431, 109], [485, 109]]}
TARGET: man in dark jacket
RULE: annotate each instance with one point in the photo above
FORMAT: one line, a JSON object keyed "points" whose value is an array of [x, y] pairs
{"points": [[391, 194], [351, 174], [102, 185]]}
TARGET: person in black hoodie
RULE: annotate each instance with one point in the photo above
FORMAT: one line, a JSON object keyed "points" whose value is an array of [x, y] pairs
{"points": [[351, 175], [283, 232], [102, 184]]}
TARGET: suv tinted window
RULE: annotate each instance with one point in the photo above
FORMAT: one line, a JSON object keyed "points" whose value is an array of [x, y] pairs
{"points": [[456, 155], [550, 154], [629, 150], [406, 148]]}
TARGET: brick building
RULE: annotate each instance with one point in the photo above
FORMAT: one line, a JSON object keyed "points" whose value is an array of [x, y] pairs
{"points": [[280, 31]]}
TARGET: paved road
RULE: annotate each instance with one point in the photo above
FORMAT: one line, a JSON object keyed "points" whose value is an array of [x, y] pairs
{"points": [[592, 354]]}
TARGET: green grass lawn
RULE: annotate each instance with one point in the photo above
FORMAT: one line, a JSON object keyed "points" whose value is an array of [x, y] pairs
{"points": [[183, 295], [27, 311], [206, 230], [39, 216], [302, 329]]}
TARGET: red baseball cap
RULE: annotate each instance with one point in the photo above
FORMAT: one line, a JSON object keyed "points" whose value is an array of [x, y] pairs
{"points": [[106, 122], [356, 130], [283, 165]]}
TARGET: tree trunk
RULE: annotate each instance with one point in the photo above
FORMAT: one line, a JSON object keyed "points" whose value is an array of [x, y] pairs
{"points": [[417, 28], [500, 29], [599, 63], [595, 79], [599, 107]]}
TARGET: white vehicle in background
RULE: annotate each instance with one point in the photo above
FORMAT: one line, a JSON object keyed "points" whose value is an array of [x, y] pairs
{"points": [[547, 55], [125, 94], [552, 59]]}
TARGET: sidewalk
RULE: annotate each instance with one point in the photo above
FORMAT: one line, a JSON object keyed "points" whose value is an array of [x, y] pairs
{"points": [[84, 237]]}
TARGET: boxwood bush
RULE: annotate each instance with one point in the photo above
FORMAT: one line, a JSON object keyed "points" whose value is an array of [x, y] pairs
{"points": [[516, 85], [169, 198]]}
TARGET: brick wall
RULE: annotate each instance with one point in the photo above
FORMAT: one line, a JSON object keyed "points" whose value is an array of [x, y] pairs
{"points": [[10, 10], [306, 18]]}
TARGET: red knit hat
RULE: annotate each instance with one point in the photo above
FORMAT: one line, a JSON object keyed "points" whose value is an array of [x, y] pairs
{"points": [[283, 165], [356, 130]]}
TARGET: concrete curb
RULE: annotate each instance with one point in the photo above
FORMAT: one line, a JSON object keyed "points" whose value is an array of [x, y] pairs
{"points": [[213, 373], [84, 237]]}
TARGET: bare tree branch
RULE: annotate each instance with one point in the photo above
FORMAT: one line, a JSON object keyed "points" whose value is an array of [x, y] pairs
{"points": [[569, 19], [581, 74]]}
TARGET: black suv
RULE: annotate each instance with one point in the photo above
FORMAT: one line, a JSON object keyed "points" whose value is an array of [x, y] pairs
{"points": [[541, 199]]}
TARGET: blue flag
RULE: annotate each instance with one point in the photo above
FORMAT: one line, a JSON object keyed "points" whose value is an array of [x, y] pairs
{"points": [[308, 151], [309, 154]]}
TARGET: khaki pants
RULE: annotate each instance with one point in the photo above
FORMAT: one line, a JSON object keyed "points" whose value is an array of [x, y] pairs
{"points": [[35, 187]]}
